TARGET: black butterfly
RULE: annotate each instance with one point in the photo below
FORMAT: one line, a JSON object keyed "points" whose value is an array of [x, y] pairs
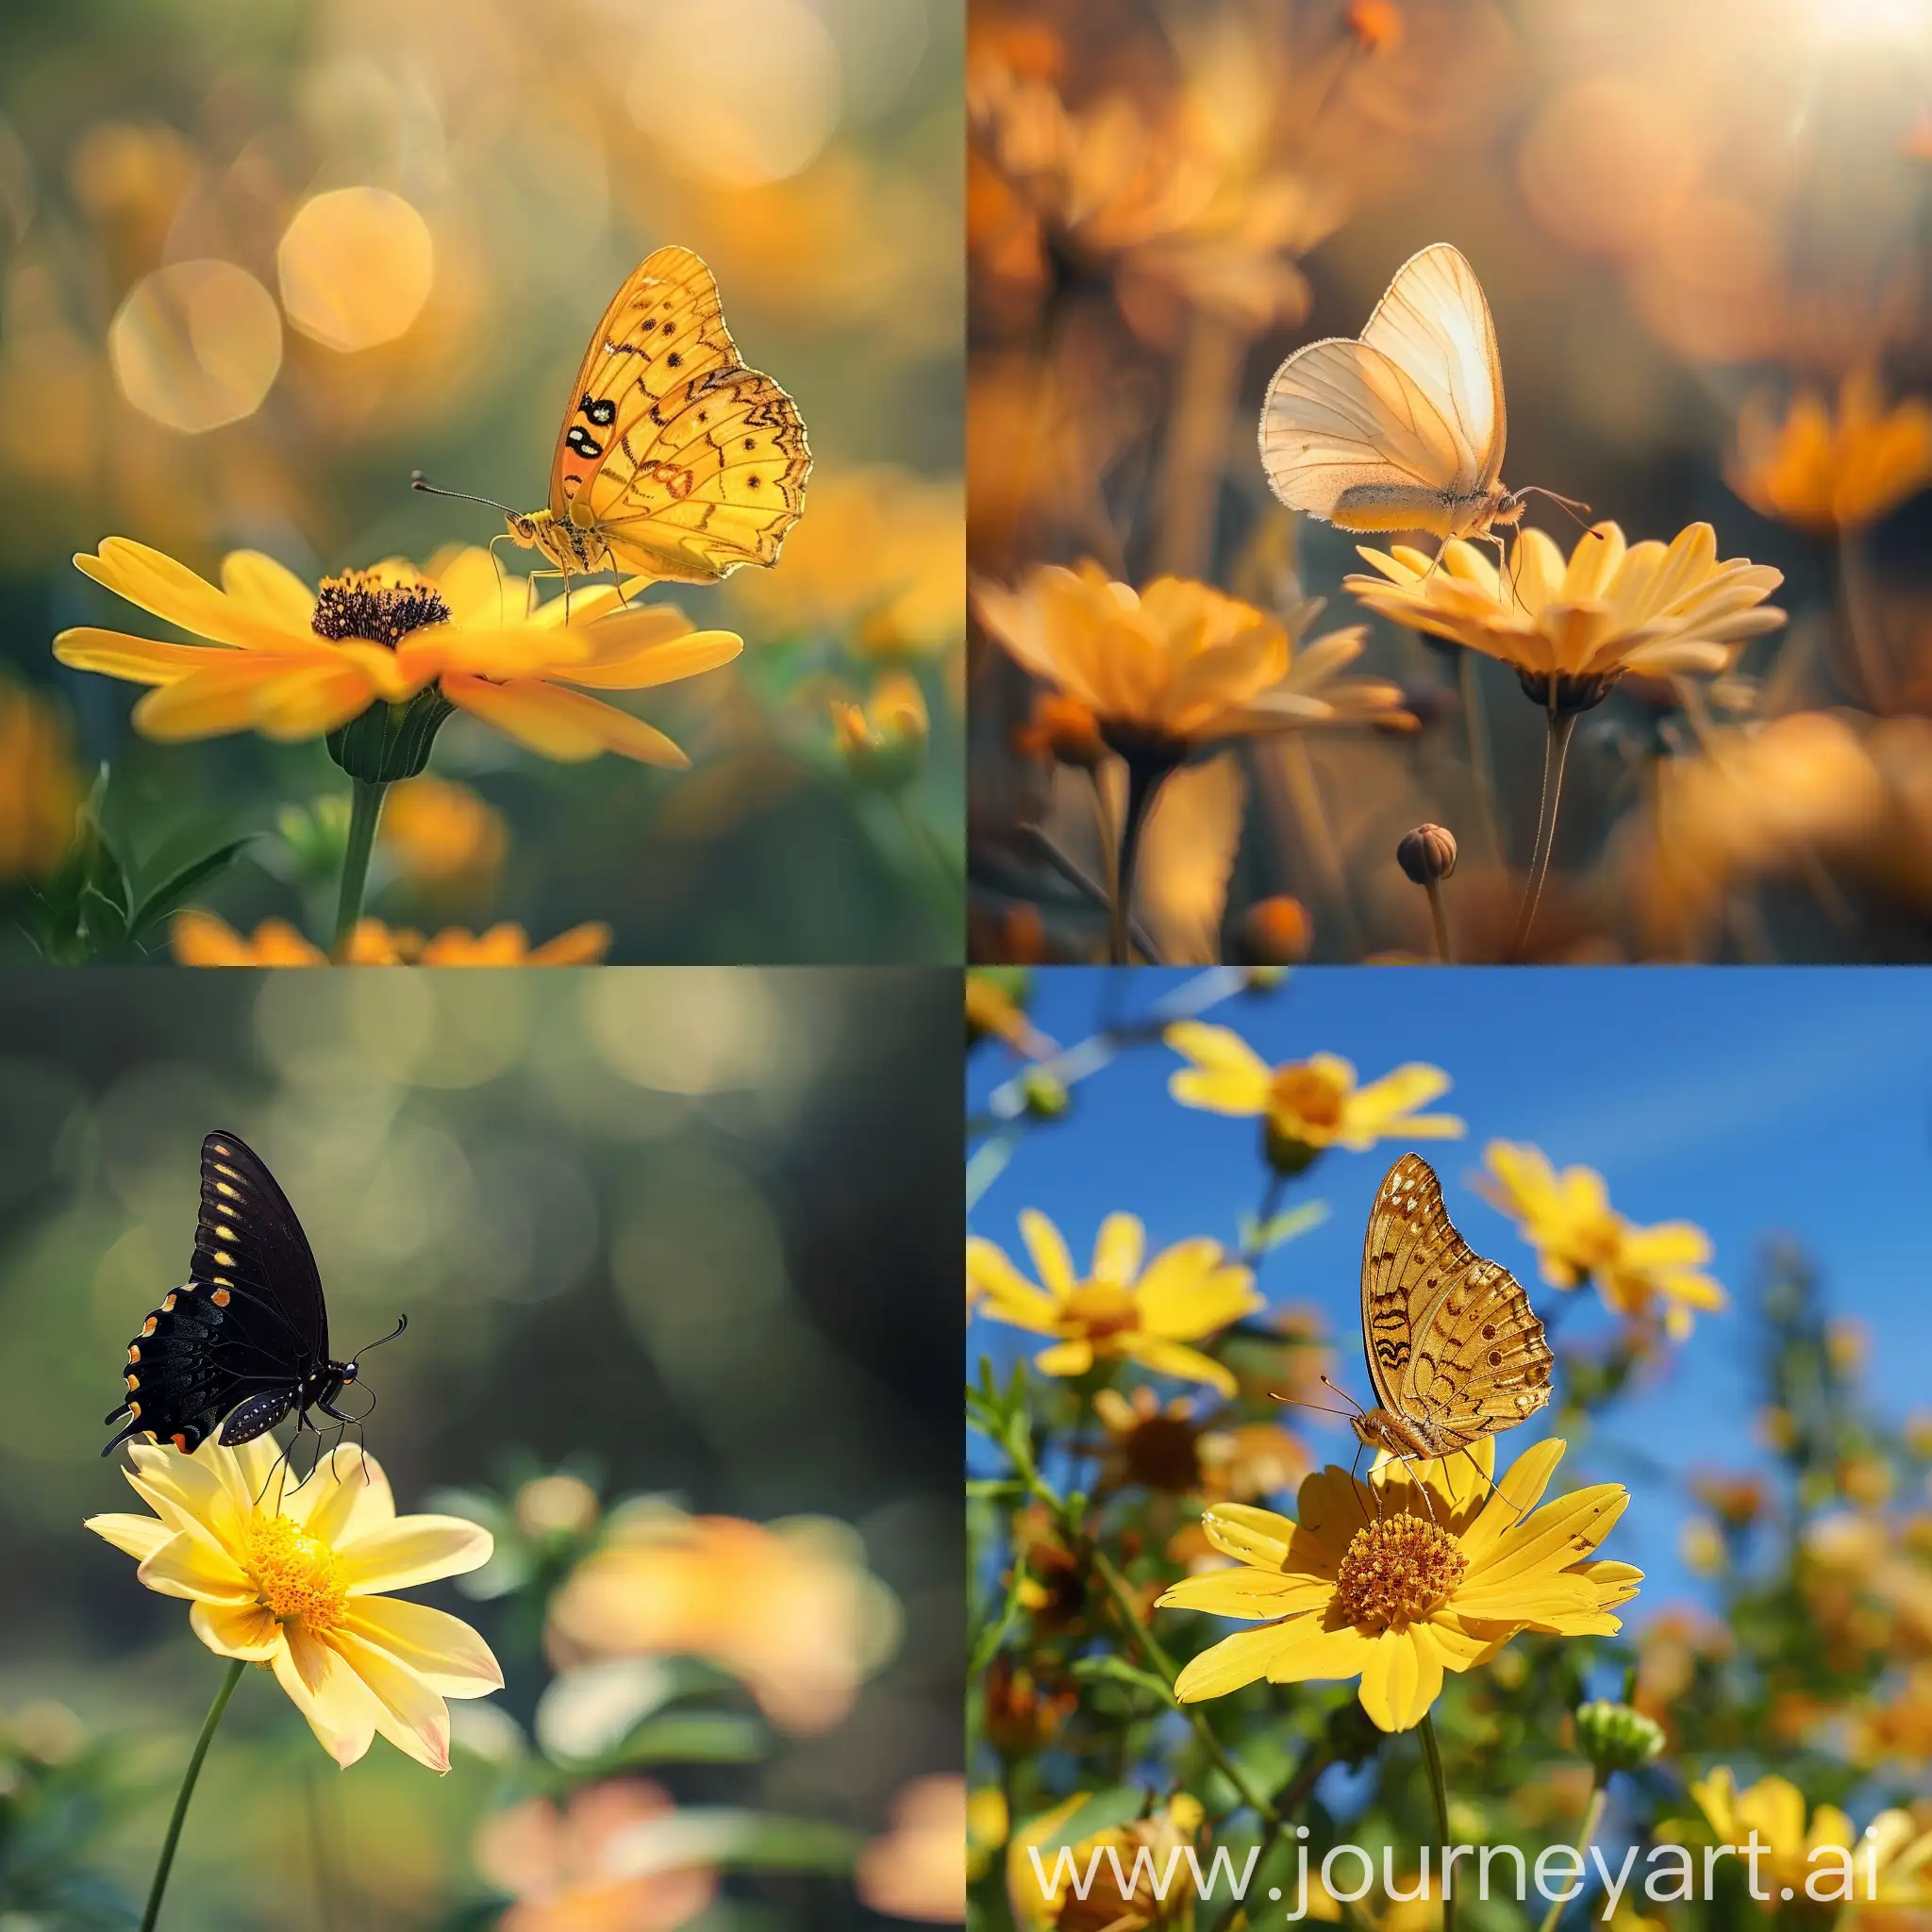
{"points": [[245, 1336]]}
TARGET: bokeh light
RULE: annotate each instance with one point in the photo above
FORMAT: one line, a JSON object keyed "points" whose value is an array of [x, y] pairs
{"points": [[354, 267], [197, 344]]}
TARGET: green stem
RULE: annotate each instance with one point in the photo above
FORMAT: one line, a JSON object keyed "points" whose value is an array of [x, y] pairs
{"points": [[365, 808], [1289, 1800], [1432, 1757], [1144, 780], [187, 1791], [1592, 1817], [1556, 750], [1482, 766]]}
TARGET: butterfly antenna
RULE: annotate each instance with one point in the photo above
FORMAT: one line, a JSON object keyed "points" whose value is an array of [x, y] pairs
{"points": [[402, 1323], [1578, 512], [1319, 1408], [419, 481], [1353, 1407]]}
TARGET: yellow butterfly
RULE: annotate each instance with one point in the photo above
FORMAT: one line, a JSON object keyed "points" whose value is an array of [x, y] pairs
{"points": [[1403, 428], [1454, 1350], [674, 460]]}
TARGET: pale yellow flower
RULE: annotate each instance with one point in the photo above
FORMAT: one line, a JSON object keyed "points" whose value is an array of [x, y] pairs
{"points": [[296, 1580], [1774, 1809], [1376, 1580], [1567, 1217], [1308, 1105], [1824, 470], [1120, 1311], [1570, 628]]}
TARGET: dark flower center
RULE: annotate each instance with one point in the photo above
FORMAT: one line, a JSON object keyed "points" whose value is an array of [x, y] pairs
{"points": [[358, 604], [1397, 1571]]}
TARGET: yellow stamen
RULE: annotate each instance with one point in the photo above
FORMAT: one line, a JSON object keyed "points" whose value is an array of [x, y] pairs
{"points": [[1397, 1571], [1099, 1308], [294, 1573]]}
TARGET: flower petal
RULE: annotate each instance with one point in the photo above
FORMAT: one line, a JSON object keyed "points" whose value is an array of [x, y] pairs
{"points": [[1008, 1295], [249, 1631], [1402, 1677], [443, 1650], [139, 660], [340, 1708], [407, 1712], [139, 1537], [559, 724], [411, 1550], [255, 582], [209, 703], [172, 590], [653, 664]]}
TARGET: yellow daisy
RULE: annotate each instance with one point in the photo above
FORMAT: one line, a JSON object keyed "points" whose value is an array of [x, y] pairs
{"points": [[1120, 1311], [1178, 665], [296, 1580], [1381, 1581], [203, 938], [1308, 1105], [1570, 628], [1567, 1218], [1893, 1843], [1823, 470], [292, 663]]}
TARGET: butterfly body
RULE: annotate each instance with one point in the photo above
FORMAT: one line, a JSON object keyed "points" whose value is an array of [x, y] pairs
{"points": [[243, 1341], [1404, 427], [1454, 1351], [674, 460]]}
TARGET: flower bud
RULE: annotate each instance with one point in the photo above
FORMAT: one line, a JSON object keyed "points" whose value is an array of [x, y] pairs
{"points": [[883, 742], [390, 741], [1428, 854], [1616, 1737], [1274, 932], [1045, 1095]]}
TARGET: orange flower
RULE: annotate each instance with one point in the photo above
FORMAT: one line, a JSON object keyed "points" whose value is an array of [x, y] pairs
{"points": [[435, 832], [565, 1864], [1376, 24], [1824, 472], [39, 786], [790, 1608], [919, 1872], [202, 938], [294, 663]]}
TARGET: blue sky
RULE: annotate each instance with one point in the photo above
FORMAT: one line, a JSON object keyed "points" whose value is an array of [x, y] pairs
{"points": [[1753, 1102]]}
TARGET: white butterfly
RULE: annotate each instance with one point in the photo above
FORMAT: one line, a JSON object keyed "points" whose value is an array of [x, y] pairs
{"points": [[1403, 429]]}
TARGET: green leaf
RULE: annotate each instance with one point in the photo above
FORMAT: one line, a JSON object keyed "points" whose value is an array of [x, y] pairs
{"points": [[693, 1736], [1258, 1239], [159, 900], [1101, 1812], [1119, 1671], [737, 1841]]}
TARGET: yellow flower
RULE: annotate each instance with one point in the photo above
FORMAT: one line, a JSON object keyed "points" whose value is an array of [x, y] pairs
{"points": [[202, 938], [1178, 665], [1570, 629], [565, 1864], [297, 1581], [789, 1609], [40, 786], [1378, 1580], [1120, 1313], [1774, 1809], [1822, 471], [883, 742], [994, 1011], [435, 832], [294, 663], [1308, 1105], [1639, 1272], [880, 560], [1120, 1899]]}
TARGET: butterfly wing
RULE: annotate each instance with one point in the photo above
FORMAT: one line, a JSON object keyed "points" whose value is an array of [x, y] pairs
{"points": [[247, 1326], [1386, 432], [1454, 1346], [685, 462]]}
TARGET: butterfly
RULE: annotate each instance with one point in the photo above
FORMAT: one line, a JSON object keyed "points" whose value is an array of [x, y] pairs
{"points": [[244, 1338], [674, 460], [1454, 1350], [1403, 428]]}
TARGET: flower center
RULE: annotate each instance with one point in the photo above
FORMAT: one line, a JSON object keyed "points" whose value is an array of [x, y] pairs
{"points": [[294, 1574], [358, 604], [1303, 1099], [1397, 1571], [1099, 1308]]}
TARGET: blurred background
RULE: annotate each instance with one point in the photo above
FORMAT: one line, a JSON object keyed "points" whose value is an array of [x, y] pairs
{"points": [[1702, 232], [1777, 1449], [677, 1235], [206, 344]]}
